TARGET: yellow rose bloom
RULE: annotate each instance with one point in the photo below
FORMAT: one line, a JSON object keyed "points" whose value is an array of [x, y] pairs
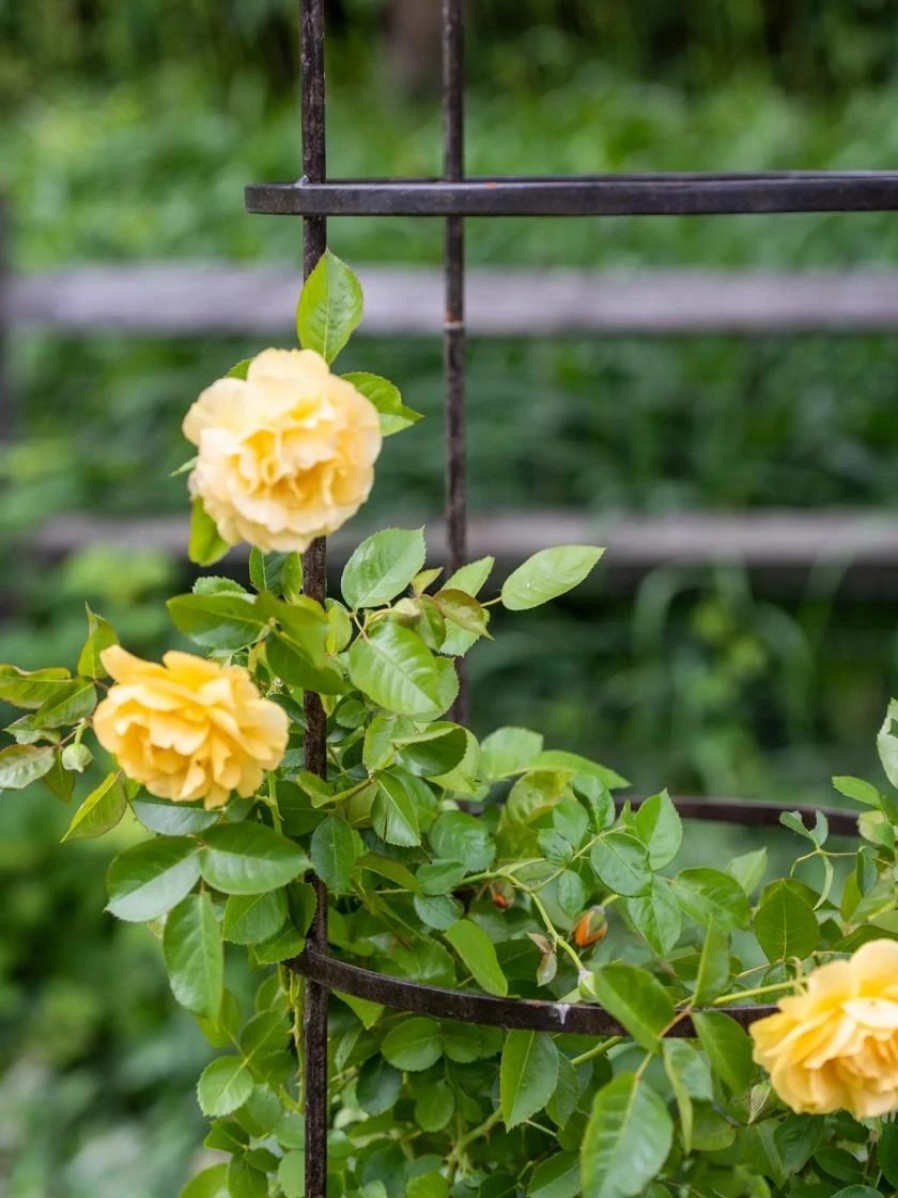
{"points": [[285, 455], [835, 1046], [189, 728]]}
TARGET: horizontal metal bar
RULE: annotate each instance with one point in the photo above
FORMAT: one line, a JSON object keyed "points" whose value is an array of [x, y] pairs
{"points": [[578, 1019], [184, 299], [597, 195]]}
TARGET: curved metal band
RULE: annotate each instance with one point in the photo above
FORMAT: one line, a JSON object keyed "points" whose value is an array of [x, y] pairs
{"points": [[538, 1015], [578, 1019], [599, 195], [752, 814]]}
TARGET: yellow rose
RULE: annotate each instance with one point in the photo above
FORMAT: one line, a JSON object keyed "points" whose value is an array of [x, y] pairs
{"points": [[835, 1046], [190, 728], [285, 455]]}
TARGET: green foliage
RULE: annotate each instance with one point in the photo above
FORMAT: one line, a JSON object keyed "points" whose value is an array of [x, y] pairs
{"points": [[330, 307], [205, 546], [548, 574], [552, 891]]}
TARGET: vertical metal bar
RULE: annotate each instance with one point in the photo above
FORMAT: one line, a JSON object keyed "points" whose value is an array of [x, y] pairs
{"points": [[454, 323], [314, 164]]}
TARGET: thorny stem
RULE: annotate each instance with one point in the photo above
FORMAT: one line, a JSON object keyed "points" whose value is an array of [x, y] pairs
{"points": [[593, 1054], [457, 1154], [737, 994]]}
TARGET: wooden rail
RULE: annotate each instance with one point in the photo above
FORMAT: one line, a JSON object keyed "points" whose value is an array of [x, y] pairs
{"points": [[789, 544], [186, 299], [190, 299]]}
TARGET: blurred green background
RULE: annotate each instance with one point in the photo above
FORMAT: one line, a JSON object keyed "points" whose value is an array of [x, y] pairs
{"points": [[130, 128]]}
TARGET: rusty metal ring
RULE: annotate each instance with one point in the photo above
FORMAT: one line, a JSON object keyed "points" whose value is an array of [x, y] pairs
{"points": [[581, 1019]]}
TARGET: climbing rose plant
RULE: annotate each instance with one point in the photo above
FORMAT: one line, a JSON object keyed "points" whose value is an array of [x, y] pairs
{"points": [[500, 866]]}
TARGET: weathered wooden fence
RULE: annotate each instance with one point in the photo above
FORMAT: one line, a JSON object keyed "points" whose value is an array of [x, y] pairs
{"points": [[188, 299]]}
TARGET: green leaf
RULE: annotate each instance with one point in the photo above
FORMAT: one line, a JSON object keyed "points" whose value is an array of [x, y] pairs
{"points": [[211, 1183], [859, 790], [59, 781], [712, 898], [330, 307], [386, 397], [101, 810], [458, 836], [386, 867], [471, 579], [414, 1044], [887, 744], [435, 1106], [548, 574], [622, 863], [288, 661], [249, 858], [100, 635], [382, 567], [437, 751], [31, 689], [477, 952], [508, 751], [303, 621], [149, 879], [714, 966], [254, 918], [335, 849], [20, 765], [394, 816], [728, 1047], [441, 877], [858, 1192], [557, 1177], [205, 547], [690, 1078], [635, 999], [785, 923], [472, 576], [378, 1086], [282, 946], [244, 1180], [656, 917], [225, 1084], [749, 869], [659, 827], [573, 763], [427, 1185], [888, 1153], [463, 610], [396, 670], [227, 622], [68, 705], [275, 572], [173, 819], [528, 1074], [193, 954], [291, 1174], [627, 1139]]}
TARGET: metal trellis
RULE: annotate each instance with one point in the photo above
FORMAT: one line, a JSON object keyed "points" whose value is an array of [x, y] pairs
{"points": [[315, 197]]}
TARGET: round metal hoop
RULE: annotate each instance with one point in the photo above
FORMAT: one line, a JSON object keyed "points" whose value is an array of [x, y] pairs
{"points": [[538, 1015]]}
